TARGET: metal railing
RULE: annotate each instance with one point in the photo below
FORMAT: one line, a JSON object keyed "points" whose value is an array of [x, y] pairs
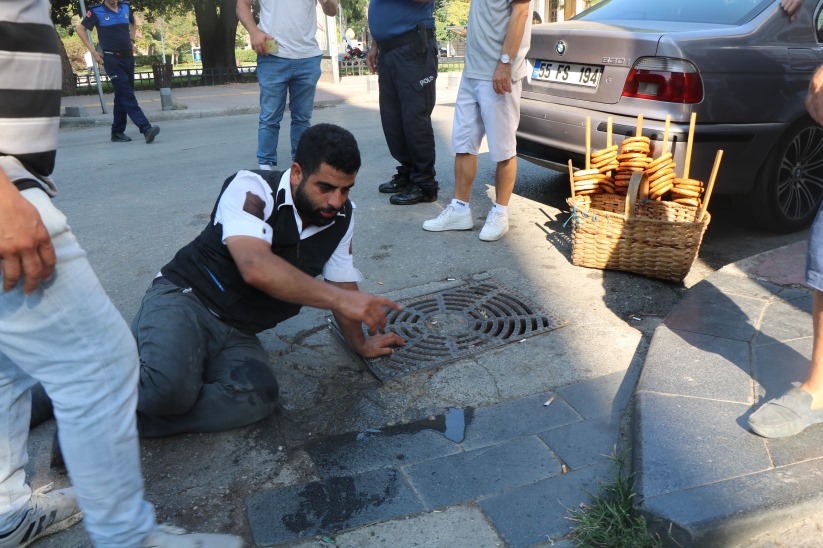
{"points": [[86, 84]]}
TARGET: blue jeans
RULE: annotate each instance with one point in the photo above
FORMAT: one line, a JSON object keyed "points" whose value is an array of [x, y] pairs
{"points": [[277, 77], [69, 336]]}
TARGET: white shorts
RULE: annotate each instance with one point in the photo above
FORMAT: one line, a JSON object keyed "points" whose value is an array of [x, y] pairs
{"points": [[480, 111]]}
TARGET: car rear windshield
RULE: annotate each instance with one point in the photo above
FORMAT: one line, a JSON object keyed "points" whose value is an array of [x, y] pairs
{"points": [[722, 12]]}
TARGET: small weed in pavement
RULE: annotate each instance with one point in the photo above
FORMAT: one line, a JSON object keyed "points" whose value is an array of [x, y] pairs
{"points": [[610, 519]]}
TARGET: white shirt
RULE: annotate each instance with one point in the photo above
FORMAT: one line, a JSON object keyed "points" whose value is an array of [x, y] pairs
{"points": [[233, 213], [293, 23]]}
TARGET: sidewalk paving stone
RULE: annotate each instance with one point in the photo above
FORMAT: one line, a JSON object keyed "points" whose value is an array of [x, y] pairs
{"points": [[707, 309], [694, 364], [513, 419], [667, 440], [355, 453], [583, 443], [794, 449], [780, 321], [606, 395], [540, 511], [467, 476], [776, 366], [329, 505]]}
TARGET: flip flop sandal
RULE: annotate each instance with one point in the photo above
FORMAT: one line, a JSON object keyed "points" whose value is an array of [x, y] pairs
{"points": [[785, 416]]}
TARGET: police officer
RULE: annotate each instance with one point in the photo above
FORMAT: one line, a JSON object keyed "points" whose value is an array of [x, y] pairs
{"points": [[115, 32], [404, 54]]}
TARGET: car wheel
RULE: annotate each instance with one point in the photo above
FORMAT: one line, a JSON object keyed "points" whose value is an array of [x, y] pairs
{"points": [[789, 188]]}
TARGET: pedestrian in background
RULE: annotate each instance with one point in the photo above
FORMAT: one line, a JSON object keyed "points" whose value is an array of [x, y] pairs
{"points": [[404, 56], [114, 21], [288, 63], [488, 103], [58, 327]]}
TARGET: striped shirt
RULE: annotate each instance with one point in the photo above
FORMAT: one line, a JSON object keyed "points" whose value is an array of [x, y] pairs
{"points": [[30, 92]]}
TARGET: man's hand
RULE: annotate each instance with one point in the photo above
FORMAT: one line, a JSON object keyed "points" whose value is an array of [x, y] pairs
{"points": [[97, 57], [371, 58], [25, 247], [380, 345], [502, 79], [791, 7], [365, 308], [814, 99], [258, 41]]}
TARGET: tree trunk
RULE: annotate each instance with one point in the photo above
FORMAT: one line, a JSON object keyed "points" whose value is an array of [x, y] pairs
{"points": [[217, 26], [69, 78]]}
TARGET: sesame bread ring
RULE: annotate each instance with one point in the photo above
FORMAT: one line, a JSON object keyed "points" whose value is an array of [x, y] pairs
{"points": [[637, 139], [694, 202], [690, 182], [584, 172], [588, 192], [685, 193], [662, 181], [667, 165], [689, 187], [659, 193], [632, 156], [609, 167], [604, 152], [601, 163], [659, 174], [634, 163], [666, 158]]}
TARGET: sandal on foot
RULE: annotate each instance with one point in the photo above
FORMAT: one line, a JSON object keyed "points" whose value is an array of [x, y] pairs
{"points": [[785, 416]]}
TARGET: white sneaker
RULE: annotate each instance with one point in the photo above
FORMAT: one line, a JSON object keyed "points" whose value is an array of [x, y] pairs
{"points": [[265, 167], [449, 219], [175, 537], [497, 224], [50, 512]]}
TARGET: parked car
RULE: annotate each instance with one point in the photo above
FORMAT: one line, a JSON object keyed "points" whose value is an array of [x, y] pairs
{"points": [[741, 65]]}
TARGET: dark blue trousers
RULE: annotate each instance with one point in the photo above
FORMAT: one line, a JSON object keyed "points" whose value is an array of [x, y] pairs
{"points": [[121, 73], [407, 97]]}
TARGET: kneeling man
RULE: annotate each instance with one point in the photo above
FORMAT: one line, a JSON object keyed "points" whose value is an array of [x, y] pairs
{"points": [[202, 367]]}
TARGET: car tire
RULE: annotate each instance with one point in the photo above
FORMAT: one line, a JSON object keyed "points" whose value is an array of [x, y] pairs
{"points": [[789, 188]]}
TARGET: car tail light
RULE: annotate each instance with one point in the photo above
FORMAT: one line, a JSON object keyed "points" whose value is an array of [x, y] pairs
{"points": [[664, 79]]}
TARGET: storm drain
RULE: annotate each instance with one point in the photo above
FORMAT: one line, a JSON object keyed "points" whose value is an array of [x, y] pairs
{"points": [[456, 323]]}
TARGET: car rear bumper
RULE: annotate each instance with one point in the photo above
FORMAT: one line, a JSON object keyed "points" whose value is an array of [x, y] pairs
{"points": [[550, 135]]}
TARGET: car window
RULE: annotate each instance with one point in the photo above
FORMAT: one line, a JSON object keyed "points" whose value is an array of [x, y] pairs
{"points": [[723, 12]]}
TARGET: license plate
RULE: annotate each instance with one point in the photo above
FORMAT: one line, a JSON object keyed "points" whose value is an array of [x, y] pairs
{"points": [[567, 73]]}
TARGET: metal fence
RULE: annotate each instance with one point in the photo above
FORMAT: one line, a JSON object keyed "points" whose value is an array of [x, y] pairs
{"points": [[184, 78]]}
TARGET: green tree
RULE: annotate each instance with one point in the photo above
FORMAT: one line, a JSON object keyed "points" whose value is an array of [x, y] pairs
{"points": [[450, 13]]}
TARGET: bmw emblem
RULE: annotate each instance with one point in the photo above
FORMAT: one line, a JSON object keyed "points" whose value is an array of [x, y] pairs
{"points": [[560, 47]]}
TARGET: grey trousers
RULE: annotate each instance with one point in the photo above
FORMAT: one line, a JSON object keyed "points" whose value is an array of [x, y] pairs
{"points": [[197, 373]]}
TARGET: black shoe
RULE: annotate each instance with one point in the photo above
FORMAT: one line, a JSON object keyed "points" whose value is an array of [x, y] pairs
{"points": [[56, 458], [413, 195], [41, 408], [398, 183], [151, 133], [120, 137]]}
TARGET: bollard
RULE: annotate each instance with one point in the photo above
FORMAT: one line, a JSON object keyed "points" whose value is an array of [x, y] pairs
{"points": [[454, 80], [165, 99]]}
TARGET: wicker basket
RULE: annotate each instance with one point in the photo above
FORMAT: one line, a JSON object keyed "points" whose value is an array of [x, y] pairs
{"points": [[656, 239]]}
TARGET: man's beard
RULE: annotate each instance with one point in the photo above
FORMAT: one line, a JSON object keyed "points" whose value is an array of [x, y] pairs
{"points": [[310, 214]]}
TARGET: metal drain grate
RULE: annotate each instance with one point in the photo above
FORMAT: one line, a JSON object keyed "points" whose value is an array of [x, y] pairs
{"points": [[456, 323]]}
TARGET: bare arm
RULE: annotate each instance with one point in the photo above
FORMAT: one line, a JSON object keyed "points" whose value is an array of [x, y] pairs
{"points": [[258, 37], [274, 276], [25, 246], [329, 7], [83, 33], [502, 79], [378, 344]]}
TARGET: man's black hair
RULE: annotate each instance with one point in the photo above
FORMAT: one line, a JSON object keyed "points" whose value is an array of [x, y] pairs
{"points": [[329, 144]]}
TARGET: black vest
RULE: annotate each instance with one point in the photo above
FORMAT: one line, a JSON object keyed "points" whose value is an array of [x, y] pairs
{"points": [[207, 267]]}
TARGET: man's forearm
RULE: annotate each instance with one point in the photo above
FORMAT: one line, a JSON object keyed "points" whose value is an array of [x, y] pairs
{"points": [[352, 330], [243, 11], [516, 28], [83, 33]]}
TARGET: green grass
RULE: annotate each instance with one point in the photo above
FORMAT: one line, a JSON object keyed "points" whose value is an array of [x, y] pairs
{"points": [[610, 519]]}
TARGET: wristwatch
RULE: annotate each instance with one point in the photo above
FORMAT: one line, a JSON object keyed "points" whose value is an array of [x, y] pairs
{"points": [[505, 59]]}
